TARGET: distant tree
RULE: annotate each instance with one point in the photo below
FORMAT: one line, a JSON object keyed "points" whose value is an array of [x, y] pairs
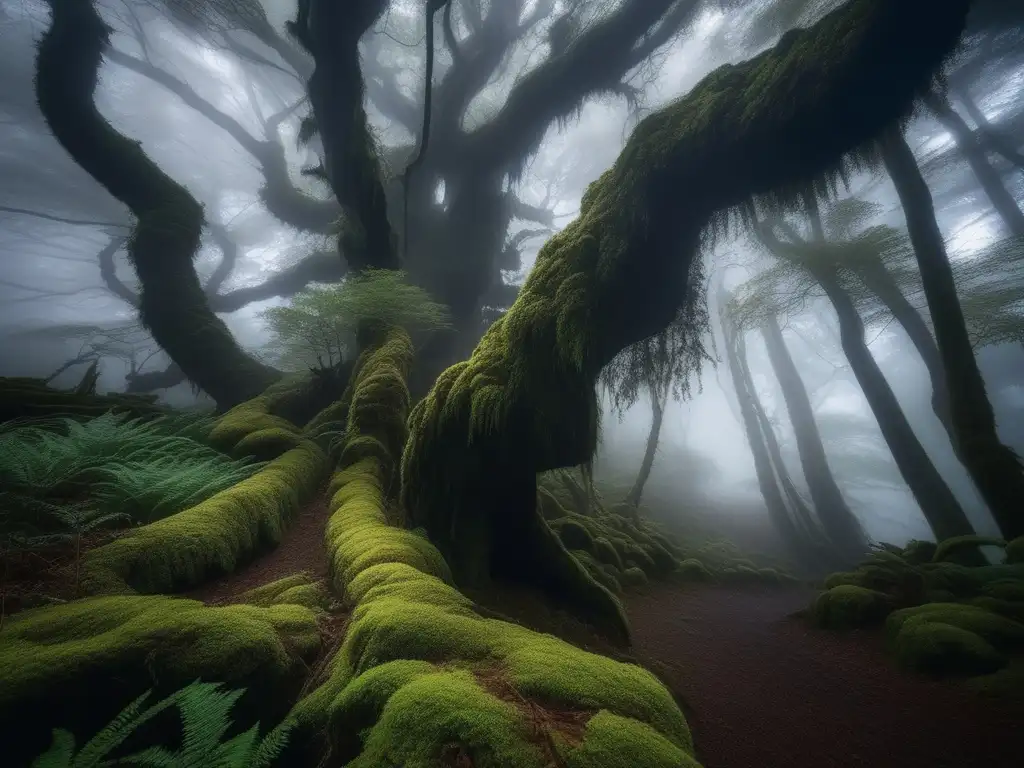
{"points": [[661, 366], [319, 325]]}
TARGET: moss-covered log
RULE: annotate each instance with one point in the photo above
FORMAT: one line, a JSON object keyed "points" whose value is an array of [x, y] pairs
{"points": [[28, 398], [169, 220], [524, 402]]}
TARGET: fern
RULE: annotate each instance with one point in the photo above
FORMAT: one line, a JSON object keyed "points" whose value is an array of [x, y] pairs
{"points": [[206, 717]]}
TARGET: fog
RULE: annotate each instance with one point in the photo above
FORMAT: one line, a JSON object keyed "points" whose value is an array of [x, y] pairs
{"points": [[55, 222]]}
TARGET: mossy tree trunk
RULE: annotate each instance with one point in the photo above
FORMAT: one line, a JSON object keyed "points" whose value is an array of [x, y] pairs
{"points": [[525, 401], [838, 519], [995, 468], [169, 221]]}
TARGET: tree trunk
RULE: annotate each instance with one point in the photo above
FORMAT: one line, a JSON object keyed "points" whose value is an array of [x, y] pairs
{"points": [[169, 221], [766, 480], [880, 282], [937, 502], [836, 516], [658, 408], [996, 469], [971, 145], [991, 136]]}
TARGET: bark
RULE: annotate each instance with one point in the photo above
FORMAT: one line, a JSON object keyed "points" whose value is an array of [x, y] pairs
{"points": [[164, 242], [836, 516], [766, 479], [974, 150], [880, 282], [995, 468], [994, 139], [658, 410]]}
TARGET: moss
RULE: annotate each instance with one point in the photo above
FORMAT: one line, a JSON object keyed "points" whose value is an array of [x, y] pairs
{"points": [[1005, 589], [597, 571], [964, 549], [918, 551], [606, 553], [54, 658], [944, 650], [549, 506], [211, 538], [381, 690], [610, 741], [298, 589], [574, 535], [634, 577], [1014, 552], [998, 630], [847, 606], [246, 418], [692, 569], [1008, 608], [1006, 683], [266, 444]]}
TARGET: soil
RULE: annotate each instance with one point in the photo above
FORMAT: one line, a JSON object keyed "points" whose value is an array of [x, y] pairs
{"points": [[301, 549], [764, 689]]}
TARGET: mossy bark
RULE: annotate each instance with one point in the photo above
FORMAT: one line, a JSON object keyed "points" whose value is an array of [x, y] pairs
{"points": [[994, 467], [169, 221], [525, 401]]}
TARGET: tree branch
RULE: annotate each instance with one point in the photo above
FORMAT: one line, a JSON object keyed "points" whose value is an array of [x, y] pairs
{"points": [[60, 219], [318, 267]]}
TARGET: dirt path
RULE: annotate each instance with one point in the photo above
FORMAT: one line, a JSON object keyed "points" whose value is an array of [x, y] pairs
{"points": [[764, 690], [301, 549]]}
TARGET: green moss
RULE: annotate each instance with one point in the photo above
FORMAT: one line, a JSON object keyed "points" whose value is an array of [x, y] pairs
{"points": [[246, 418], [1008, 608], [945, 650], [918, 551], [610, 741], [211, 538], [599, 572], [1014, 552], [692, 569], [574, 535], [549, 506], [634, 577], [54, 658], [606, 553], [266, 444], [1005, 589], [298, 589], [964, 549], [998, 630], [848, 606]]}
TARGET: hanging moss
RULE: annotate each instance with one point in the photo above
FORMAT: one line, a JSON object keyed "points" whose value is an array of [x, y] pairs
{"points": [[524, 402]]}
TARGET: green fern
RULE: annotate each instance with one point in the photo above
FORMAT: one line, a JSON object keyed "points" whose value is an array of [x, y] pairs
{"points": [[206, 717]]}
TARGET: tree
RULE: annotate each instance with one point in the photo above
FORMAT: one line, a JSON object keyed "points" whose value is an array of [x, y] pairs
{"points": [[936, 500], [319, 326], [996, 469], [661, 365], [524, 402]]}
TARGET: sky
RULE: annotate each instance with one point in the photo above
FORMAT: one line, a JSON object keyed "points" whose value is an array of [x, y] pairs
{"points": [[43, 264]]}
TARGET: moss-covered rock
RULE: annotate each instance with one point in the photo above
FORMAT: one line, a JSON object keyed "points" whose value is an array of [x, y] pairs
{"points": [[847, 607], [634, 577], [943, 650], [298, 589], [1014, 552], [692, 569], [998, 630], [55, 658], [964, 549]]}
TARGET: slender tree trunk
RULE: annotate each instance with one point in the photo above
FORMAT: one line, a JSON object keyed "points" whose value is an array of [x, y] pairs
{"points": [[937, 502], [991, 136], [974, 150], [658, 408], [996, 469], [880, 282], [838, 519], [770, 491]]}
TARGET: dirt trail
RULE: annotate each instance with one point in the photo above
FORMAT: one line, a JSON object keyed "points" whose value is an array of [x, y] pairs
{"points": [[301, 549], [764, 690]]}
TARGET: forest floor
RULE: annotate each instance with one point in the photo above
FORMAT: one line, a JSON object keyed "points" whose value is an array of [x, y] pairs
{"points": [[763, 688]]}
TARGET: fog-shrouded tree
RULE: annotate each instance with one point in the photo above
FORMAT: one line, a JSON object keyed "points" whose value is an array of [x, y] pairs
{"points": [[661, 366], [525, 401]]}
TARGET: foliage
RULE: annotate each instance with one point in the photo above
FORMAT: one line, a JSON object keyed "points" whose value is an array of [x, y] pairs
{"points": [[122, 468], [205, 716], [319, 325], [667, 362]]}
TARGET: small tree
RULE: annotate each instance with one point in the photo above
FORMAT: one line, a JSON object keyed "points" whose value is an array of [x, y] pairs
{"points": [[318, 327]]}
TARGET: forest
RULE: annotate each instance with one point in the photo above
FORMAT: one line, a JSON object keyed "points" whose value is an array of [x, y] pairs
{"points": [[511, 383]]}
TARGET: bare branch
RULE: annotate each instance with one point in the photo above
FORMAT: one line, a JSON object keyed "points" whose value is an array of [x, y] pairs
{"points": [[60, 219]]}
